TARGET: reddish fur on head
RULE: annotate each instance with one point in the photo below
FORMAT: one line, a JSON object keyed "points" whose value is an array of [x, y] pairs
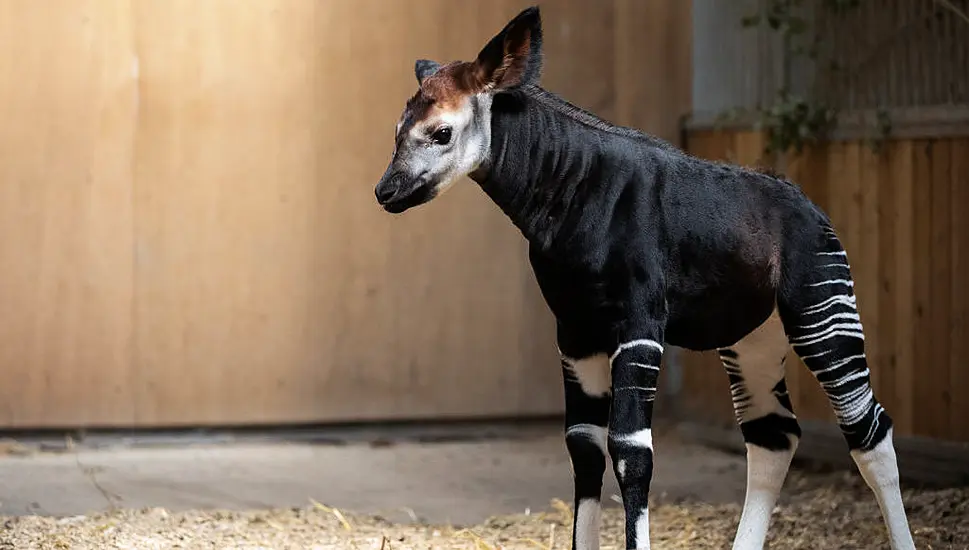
{"points": [[443, 90], [511, 58], [452, 82]]}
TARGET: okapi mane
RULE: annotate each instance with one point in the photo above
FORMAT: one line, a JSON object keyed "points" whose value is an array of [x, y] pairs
{"points": [[556, 103]]}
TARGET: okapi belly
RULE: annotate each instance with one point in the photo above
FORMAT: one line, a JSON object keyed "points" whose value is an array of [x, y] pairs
{"points": [[717, 319]]}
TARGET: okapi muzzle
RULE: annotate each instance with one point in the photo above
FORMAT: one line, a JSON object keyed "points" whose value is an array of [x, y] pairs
{"points": [[398, 191]]}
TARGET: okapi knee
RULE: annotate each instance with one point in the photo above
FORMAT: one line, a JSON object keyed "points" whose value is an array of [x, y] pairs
{"points": [[586, 445]]}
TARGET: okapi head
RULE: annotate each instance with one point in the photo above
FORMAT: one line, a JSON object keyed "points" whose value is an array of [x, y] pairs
{"points": [[444, 132]]}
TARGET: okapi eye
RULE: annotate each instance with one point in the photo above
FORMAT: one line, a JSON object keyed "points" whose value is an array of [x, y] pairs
{"points": [[442, 136]]}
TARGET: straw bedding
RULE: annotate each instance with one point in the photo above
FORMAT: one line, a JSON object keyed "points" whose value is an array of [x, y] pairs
{"points": [[817, 512]]}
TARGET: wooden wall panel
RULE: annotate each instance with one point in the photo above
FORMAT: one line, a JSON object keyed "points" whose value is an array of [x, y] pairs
{"points": [[191, 234], [901, 217], [922, 385], [68, 102], [940, 305], [274, 282]]}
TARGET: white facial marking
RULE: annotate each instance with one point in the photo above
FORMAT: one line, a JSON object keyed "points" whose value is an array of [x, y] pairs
{"points": [[587, 520], [593, 373], [444, 165]]}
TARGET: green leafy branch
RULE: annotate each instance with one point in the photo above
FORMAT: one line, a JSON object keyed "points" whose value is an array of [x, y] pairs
{"points": [[793, 122]]}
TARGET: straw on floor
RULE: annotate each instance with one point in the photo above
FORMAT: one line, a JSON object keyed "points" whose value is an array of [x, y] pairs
{"points": [[818, 512]]}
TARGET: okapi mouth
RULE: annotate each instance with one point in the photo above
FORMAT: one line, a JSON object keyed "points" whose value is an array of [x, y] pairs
{"points": [[402, 198]]}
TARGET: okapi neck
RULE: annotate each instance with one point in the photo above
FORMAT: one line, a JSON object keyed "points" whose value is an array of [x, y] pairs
{"points": [[540, 159]]}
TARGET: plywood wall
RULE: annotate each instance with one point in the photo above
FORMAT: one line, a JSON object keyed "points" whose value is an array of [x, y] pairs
{"points": [[188, 233], [901, 215]]}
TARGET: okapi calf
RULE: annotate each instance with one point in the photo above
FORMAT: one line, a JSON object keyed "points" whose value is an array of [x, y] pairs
{"points": [[635, 244]]}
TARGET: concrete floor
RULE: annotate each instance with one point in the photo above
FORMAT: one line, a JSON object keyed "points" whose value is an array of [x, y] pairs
{"points": [[457, 482]]}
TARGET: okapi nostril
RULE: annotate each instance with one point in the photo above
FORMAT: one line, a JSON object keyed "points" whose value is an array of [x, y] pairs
{"points": [[385, 192]]}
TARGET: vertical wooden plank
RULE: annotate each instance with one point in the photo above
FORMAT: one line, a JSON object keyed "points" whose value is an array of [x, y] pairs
{"points": [[959, 268], [809, 171], [902, 175], [848, 225], [864, 265], [749, 150], [69, 105], [923, 385], [940, 292], [702, 144], [711, 144], [886, 281]]}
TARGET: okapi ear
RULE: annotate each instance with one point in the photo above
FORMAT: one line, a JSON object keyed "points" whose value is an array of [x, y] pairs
{"points": [[424, 68], [513, 57]]}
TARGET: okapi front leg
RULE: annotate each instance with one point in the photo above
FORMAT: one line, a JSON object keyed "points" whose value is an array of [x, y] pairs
{"points": [[586, 419], [635, 374]]}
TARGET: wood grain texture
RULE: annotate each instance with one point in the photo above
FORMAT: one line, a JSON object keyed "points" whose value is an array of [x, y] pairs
{"points": [[68, 102], [937, 368], [885, 371], [903, 185], [923, 386], [959, 280], [271, 280], [191, 235]]}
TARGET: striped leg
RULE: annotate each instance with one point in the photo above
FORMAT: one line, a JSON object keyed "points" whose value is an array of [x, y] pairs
{"points": [[635, 373], [825, 329], [755, 368], [587, 386]]}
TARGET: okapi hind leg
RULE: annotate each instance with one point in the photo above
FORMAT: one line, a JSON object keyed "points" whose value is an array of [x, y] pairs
{"points": [[755, 368], [821, 318]]}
